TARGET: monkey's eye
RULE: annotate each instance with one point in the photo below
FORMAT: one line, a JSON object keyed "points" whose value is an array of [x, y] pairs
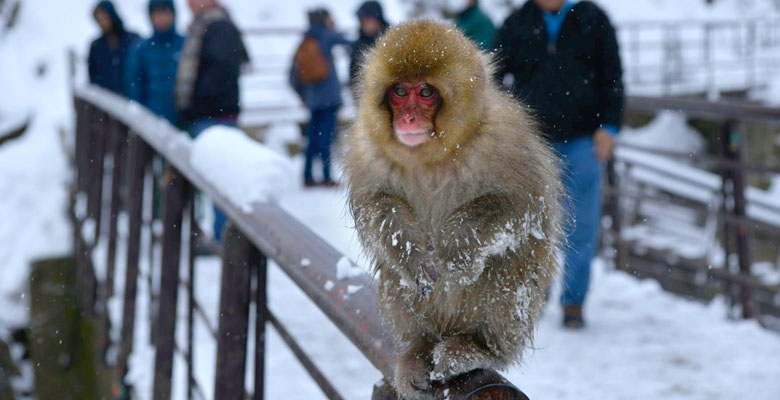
{"points": [[427, 92], [400, 91]]}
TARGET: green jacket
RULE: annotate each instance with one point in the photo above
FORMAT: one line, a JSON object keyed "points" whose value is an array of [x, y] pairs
{"points": [[476, 26]]}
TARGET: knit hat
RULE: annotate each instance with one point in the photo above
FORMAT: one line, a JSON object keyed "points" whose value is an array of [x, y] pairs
{"points": [[155, 5], [318, 16], [371, 9]]}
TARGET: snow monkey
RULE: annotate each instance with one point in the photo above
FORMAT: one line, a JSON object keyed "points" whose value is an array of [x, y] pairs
{"points": [[456, 201]]}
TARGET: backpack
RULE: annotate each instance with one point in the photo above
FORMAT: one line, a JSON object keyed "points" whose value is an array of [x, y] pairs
{"points": [[309, 62]]}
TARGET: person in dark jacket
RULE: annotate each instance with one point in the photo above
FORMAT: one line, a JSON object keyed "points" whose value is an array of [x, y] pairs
{"points": [[108, 53], [323, 98], [372, 25], [564, 61], [206, 91], [470, 20], [152, 65]]}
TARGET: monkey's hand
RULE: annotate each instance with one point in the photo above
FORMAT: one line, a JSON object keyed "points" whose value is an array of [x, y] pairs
{"points": [[457, 355], [389, 230], [412, 373], [477, 230]]}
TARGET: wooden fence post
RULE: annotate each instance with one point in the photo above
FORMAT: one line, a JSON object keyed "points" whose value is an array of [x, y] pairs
{"points": [[97, 151], [175, 200], [191, 293], [139, 155], [735, 203], [261, 310], [612, 209], [119, 140], [238, 258]]}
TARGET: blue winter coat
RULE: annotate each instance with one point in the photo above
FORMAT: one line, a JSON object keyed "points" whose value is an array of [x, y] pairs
{"points": [[325, 94], [151, 72], [106, 64]]}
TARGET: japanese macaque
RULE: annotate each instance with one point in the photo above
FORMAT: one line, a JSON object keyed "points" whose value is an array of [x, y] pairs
{"points": [[456, 200]]}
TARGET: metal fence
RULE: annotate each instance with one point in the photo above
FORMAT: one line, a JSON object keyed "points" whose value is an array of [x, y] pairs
{"points": [[684, 57], [115, 143], [725, 204]]}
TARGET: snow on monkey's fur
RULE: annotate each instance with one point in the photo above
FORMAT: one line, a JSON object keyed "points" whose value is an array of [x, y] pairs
{"points": [[464, 227]]}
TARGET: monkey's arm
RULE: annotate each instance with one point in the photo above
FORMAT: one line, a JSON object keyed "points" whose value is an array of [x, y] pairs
{"points": [[389, 230], [486, 226]]}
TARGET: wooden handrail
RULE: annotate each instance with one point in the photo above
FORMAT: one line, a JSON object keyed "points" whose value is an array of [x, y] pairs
{"points": [[705, 109]]}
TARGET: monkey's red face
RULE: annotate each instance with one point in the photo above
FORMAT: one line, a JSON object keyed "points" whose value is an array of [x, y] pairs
{"points": [[413, 107]]}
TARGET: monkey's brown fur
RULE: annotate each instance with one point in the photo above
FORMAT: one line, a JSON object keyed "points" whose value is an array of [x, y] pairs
{"points": [[463, 228]]}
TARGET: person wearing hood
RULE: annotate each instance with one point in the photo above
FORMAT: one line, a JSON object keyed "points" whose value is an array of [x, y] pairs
{"points": [[322, 98], [372, 25], [470, 20], [108, 53], [152, 65]]}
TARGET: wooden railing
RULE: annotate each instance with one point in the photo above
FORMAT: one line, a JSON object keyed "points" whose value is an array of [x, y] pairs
{"points": [[115, 143], [725, 201]]}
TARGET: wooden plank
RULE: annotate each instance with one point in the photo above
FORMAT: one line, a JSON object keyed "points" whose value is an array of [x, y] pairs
{"points": [[261, 314], [139, 156], [239, 255], [175, 199]]}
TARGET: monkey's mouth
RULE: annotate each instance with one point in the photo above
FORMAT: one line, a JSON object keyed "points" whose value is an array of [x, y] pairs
{"points": [[414, 138]]}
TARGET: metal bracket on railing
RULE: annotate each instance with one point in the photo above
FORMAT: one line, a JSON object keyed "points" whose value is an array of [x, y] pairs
{"points": [[480, 384]]}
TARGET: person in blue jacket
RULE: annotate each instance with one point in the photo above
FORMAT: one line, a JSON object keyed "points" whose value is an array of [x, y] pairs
{"points": [[108, 53], [566, 66], [152, 64], [323, 98]]}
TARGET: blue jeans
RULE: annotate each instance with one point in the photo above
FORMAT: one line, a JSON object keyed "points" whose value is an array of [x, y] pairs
{"points": [[582, 180], [197, 127], [320, 132]]}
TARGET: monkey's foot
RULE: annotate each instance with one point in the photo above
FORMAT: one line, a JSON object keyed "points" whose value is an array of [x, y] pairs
{"points": [[412, 380], [457, 355]]}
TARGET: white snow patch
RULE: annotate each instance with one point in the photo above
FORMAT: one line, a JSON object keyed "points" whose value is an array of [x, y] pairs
{"points": [[305, 262], [346, 269], [329, 285], [668, 131], [246, 171]]}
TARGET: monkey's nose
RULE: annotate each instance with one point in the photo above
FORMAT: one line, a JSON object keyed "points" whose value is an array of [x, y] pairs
{"points": [[408, 118]]}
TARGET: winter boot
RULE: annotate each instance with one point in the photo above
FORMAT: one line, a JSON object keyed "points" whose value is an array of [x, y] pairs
{"points": [[572, 317]]}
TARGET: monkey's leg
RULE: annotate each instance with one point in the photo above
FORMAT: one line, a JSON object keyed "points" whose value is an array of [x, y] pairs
{"points": [[412, 372], [459, 354]]}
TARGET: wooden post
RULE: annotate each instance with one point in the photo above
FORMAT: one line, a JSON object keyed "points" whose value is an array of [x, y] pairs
{"points": [[136, 166], [83, 122], [191, 294], [613, 210], [98, 135], [118, 138], [261, 308], [83, 130], [175, 199], [735, 203], [237, 258]]}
